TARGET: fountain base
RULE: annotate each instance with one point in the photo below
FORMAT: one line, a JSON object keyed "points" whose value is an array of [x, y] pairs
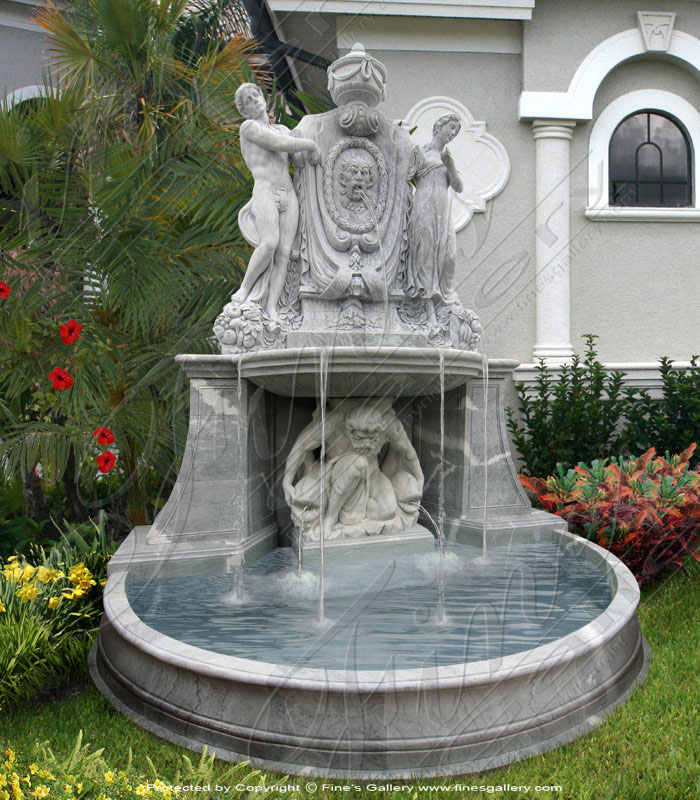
{"points": [[449, 719]]}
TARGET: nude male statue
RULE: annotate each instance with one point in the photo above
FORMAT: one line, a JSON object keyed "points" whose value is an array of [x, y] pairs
{"points": [[269, 220]]}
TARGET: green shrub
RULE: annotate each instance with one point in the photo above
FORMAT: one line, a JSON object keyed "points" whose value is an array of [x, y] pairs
{"points": [[33, 658], [667, 424], [575, 416], [580, 412]]}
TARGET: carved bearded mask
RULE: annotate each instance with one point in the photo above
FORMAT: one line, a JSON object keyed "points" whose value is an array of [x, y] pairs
{"points": [[356, 179]]}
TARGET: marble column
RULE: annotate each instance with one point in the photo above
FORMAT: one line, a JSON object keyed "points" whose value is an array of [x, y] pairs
{"points": [[552, 237]]}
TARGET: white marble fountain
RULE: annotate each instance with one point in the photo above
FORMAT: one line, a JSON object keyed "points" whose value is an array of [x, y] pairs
{"points": [[348, 578]]}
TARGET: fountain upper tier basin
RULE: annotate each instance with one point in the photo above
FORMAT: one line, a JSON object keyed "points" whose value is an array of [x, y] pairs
{"points": [[352, 371]]}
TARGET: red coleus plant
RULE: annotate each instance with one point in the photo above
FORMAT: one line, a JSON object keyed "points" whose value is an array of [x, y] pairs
{"points": [[645, 510], [60, 379], [70, 332], [4, 290], [104, 435], [105, 461]]}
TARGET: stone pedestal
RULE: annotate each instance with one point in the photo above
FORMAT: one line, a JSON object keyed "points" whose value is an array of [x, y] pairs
{"points": [[220, 504], [509, 509]]}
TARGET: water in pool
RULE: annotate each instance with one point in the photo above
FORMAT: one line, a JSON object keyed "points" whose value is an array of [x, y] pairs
{"points": [[381, 611]]}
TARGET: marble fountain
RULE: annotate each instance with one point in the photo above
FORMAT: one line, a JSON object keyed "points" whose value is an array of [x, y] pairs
{"points": [[348, 578]]}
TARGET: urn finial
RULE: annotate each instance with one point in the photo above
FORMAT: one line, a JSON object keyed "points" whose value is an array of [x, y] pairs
{"points": [[357, 76]]}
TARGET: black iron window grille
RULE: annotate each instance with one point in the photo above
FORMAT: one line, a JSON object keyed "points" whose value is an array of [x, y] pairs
{"points": [[650, 162]]}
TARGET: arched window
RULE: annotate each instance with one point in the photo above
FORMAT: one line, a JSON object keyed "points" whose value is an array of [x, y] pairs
{"points": [[650, 162]]}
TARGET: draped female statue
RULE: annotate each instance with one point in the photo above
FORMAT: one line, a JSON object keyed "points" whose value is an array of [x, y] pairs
{"points": [[432, 241]]}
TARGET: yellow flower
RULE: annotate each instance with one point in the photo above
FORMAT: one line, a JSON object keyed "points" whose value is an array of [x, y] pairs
{"points": [[67, 787], [4, 795], [27, 573], [79, 787], [12, 558], [3, 779], [55, 574], [46, 774], [76, 594], [79, 574], [33, 768], [42, 574], [54, 601], [11, 572], [40, 791], [141, 790], [109, 777], [10, 755], [28, 592], [2, 607]]}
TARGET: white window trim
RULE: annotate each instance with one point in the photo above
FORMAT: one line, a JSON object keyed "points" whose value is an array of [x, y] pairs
{"points": [[577, 102], [599, 208]]}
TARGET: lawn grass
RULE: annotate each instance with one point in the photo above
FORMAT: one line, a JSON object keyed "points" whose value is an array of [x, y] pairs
{"points": [[648, 749]]}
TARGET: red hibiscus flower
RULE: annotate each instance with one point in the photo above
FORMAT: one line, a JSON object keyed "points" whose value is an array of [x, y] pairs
{"points": [[4, 290], [60, 379], [104, 435], [70, 331], [105, 461]]}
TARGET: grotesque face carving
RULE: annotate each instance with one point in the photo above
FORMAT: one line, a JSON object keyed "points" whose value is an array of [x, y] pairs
{"points": [[356, 179], [365, 427]]}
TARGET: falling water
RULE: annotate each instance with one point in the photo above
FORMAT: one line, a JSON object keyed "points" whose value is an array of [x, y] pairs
{"points": [[441, 498], [322, 484], [238, 586], [387, 318], [238, 590], [240, 470], [300, 547], [485, 376]]}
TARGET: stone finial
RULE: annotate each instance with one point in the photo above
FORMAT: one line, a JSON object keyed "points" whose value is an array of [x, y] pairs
{"points": [[357, 76]]}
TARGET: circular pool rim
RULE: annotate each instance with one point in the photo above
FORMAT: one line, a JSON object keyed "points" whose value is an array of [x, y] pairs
{"points": [[553, 692], [623, 604]]}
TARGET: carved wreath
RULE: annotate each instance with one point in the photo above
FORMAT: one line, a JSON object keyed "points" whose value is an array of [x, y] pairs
{"points": [[335, 152]]}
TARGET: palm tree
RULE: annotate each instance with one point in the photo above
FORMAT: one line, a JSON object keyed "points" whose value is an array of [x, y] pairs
{"points": [[123, 187]]}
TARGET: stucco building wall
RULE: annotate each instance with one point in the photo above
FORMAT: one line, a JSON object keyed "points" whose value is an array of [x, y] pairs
{"points": [[633, 283], [23, 53], [562, 33]]}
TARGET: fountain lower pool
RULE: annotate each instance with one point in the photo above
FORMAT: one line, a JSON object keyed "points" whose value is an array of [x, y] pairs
{"points": [[381, 613], [534, 648]]}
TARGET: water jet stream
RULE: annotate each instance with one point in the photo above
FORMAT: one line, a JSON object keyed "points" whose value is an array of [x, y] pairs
{"points": [[323, 377], [441, 497]]}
